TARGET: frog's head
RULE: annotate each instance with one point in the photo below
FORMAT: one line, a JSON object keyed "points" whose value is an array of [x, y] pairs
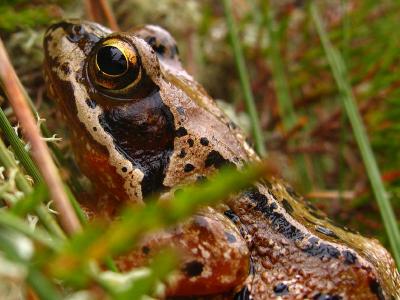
{"points": [[139, 122]]}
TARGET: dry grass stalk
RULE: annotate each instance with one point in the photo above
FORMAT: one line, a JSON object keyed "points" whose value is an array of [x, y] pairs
{"points": [[40, 152], [100, 12]]}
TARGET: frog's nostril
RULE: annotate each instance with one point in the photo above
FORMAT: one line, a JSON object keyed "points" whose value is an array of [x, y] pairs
{"points": [[74, 32], [77, 29]]}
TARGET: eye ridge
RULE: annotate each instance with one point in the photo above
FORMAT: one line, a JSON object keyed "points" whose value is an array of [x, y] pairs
{"points": [[111, 61]]}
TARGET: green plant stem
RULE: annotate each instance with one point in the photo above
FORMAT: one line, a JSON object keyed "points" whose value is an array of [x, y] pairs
{"points": [[19, 148], [244, 79], [42, 212], [11, 221], [28, 163], [42, 286], [340, 74], [285, 101]]}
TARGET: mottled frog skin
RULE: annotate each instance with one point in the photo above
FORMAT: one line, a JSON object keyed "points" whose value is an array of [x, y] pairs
{"points": [[141, 125]]}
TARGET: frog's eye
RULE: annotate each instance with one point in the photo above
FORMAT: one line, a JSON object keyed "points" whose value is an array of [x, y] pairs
{"points": [[111, 61], [115, 67]]}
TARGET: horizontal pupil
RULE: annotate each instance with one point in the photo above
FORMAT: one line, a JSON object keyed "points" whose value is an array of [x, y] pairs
{"points": [[111, 60]]}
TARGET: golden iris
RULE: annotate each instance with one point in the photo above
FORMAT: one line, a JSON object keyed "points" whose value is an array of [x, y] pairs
{"points": [[114, 66]]}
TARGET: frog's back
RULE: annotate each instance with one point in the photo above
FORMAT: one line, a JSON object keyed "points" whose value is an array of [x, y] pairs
{"points": [[296, 251]]}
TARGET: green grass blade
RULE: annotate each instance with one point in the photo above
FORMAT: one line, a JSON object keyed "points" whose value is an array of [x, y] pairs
{"points": [[244, 79], [285, 101], [31, 201], [31, 168], [45, 217], [9, 220], [101, 240], [340, 74], [281, 84], [42, 286], [19, 148]]}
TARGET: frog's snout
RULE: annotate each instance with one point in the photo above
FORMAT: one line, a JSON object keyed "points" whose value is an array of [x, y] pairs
{"points": [[84, 34]]}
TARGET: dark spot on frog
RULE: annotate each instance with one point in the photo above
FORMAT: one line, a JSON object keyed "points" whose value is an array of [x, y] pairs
{"points": [[188, 168], [181, 110], [287, 206], [278, 221], [244, 294], [320, 296], [75, 31], [94, 128], [349, 257], [232, 216], [281, 289], [151, 40], [252, 269], [190, 142], [267, 183], [174, 51], [65, 68], [214, 158], [181, 131], [182, 154], [159, 48], [124, 169], [310, 221], [250, 142], [321, 250], [292, 192], [204, 141], [283, 226], [231, 125], [326, 231], [341, 226], [236, 159], [152, 125], [314, 212], [376, 288], [77, 34], [91, 103], [230, 237], [201, 179], [145, 250], [193, 268]]}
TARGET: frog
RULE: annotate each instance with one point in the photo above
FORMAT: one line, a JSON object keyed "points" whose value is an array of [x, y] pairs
{"points": [[142, 127]]}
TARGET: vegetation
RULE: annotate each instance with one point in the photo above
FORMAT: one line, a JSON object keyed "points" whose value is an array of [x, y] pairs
{"points": [[316, 85]]}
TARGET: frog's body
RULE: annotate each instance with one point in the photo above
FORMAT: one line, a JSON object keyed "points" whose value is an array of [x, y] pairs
{"points": [[144, 126]]}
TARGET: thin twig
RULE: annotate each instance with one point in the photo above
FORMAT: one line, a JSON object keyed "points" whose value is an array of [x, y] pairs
{"points": [[348, 195], [40, 152]]}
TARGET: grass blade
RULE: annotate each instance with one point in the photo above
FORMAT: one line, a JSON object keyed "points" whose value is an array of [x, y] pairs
{"points": [[244, 79], [340, 74], [42, 286], [7, 161], [40, 151], [285, 101]]}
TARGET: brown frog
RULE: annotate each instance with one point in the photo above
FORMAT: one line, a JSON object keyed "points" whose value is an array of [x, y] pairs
{"points": [[141, 125]]}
